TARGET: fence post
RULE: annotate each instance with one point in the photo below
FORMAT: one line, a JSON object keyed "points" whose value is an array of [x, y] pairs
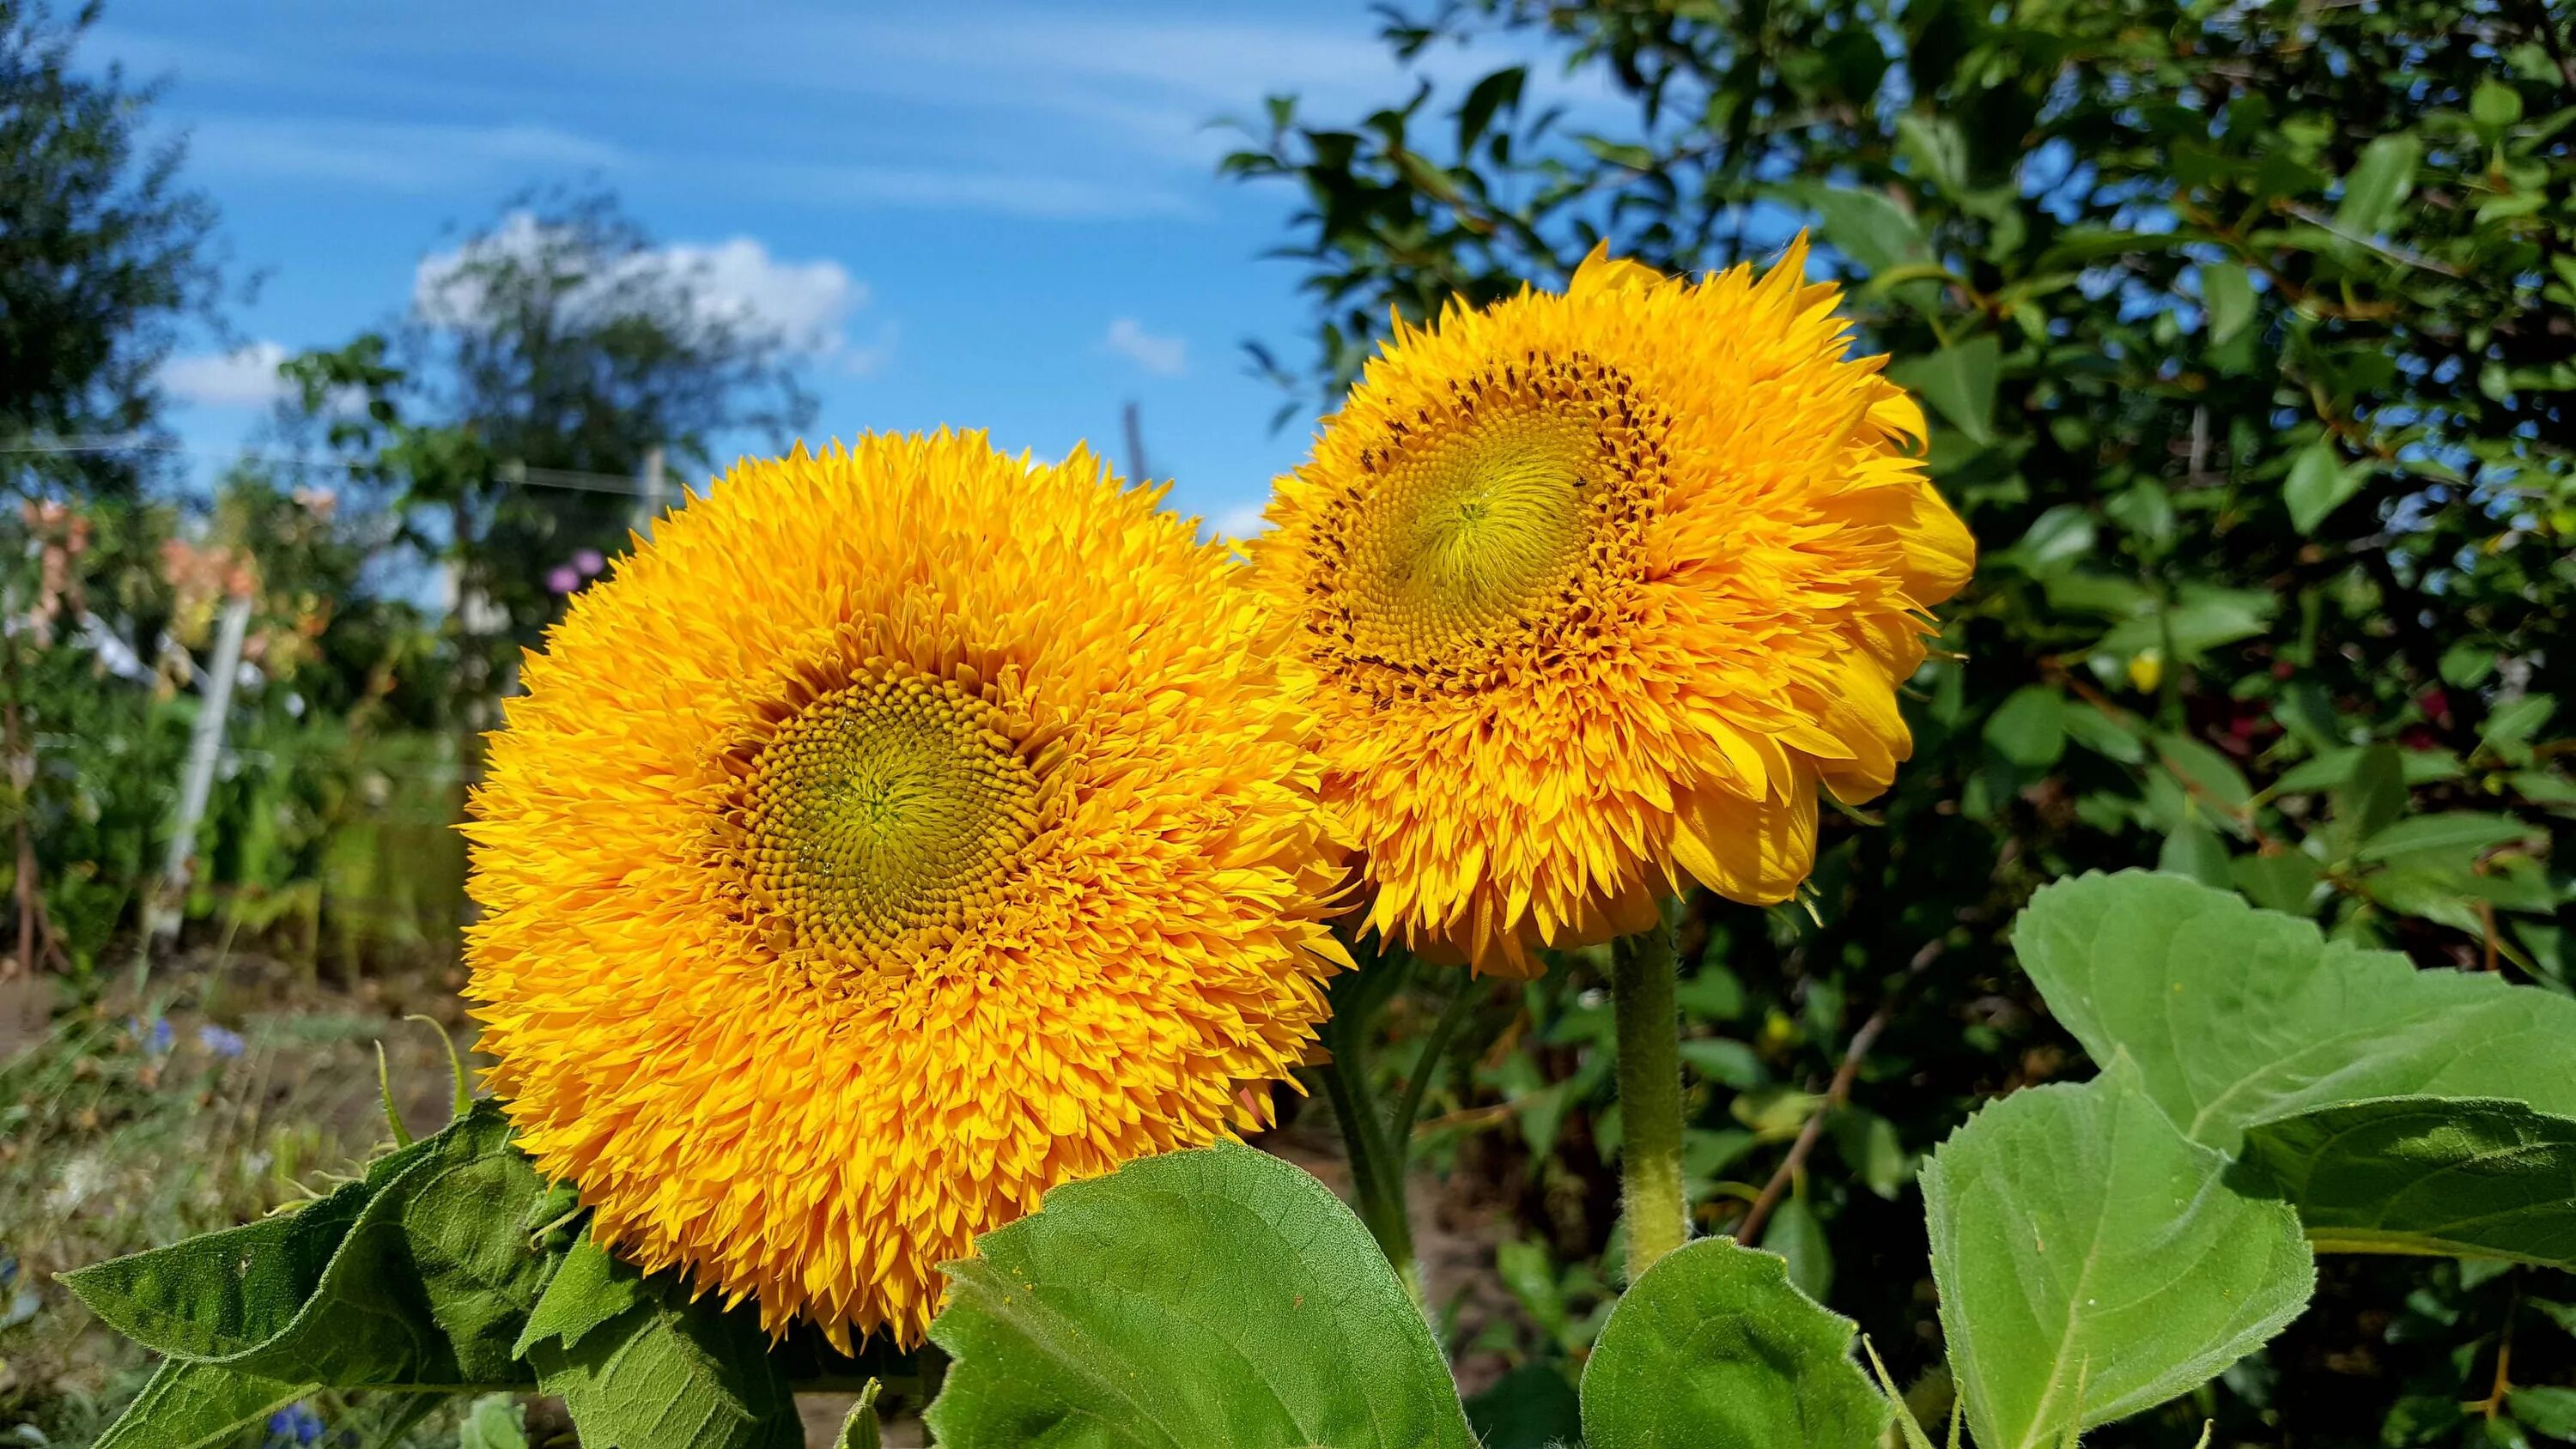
{"points": [[163, 911], [651, 492]]}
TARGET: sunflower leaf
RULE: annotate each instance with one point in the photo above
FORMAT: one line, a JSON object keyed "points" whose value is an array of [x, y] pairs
{"points": [[588, 1290], [671, 1373], [2433, 1175], [2091, 1264], [417, 1276], [1217, 1296], [2236, 1016], [1715, 1347], [186, 1405]]}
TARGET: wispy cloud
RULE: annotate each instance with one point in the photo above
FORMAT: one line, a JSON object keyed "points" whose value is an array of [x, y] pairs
{"points": [[1025, 194], [243, 379], [1159, 355], [394, 156]]}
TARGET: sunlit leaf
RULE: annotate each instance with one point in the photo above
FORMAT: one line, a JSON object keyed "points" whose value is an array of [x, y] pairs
{"points": [[2091, 1264], [1217, 1296], [1713, 1349]]}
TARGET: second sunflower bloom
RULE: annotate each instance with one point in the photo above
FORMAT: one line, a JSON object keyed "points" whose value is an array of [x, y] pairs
{"points": [[1595, 590]]}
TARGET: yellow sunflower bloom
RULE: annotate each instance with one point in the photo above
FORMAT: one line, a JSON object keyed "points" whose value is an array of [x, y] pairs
{"points": [[1593, 591], [904, 831]]}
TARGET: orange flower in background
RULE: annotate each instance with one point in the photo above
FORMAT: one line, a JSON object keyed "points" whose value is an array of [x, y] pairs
{"points": [[902, 832], [1594, 591]]}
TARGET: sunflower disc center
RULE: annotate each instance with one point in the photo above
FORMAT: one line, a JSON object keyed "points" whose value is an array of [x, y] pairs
{"points": [[885, 808], [1469, 537]]}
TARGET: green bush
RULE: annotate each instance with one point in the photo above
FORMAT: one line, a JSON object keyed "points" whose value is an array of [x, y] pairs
{"points": [[2246, 336]]}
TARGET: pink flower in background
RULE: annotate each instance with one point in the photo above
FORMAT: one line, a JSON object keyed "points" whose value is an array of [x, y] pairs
{"points": [[589, 562], [563, 580]]}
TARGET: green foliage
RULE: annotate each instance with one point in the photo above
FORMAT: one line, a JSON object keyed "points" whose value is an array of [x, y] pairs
{"points": [[188, 1404], [2098, 1249], [2242, 334], [102, 251], [560, 339], [2483, 1179], [2235, 1015], [432, 1274], [400, 1278], [671, 1372], [861, 1430], [2090, 1264], [588, 1290], [1210, 1297], [494, 1421], [1714, 1349]]}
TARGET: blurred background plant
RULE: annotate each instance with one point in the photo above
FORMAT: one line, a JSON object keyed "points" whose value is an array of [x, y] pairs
{"points": [[2248, 333]]}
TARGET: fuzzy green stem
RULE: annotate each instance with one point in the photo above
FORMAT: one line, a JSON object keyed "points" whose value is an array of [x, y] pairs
{"points": [[1642, 984], [1377, 1175]]}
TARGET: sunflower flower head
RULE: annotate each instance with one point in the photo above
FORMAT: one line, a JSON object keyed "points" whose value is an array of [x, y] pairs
{"points": [[907, 829], [1594, 590]]}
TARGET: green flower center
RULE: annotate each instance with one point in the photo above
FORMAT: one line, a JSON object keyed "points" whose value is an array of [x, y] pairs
{"points": [[890, 807], [1469, 538]]}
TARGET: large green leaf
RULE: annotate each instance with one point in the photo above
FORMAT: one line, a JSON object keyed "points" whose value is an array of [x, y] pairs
{"points": [[1217, 1296], [669, 1373], [434, 1272], [2438, 1175], [414, 1277], [2235, 1015], [590, 1289], [222, 1294], [186, 1405], [463, 1233], [1713, 1349], [2092, 1264]]}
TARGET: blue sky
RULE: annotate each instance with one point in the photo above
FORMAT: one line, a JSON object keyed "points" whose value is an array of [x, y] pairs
{"points": [[975, 214]]}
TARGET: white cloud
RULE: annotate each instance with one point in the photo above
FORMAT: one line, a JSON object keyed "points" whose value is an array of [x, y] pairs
{"points": [[802, 302], [1241, 520], [243, 379], [805, 305], [1161, 356]]}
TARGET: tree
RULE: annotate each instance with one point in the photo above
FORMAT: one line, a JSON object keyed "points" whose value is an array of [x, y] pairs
{"points": [[2248, 331], [555, 339], [102, 250]]}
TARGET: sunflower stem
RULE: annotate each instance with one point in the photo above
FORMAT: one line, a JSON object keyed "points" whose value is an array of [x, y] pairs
{"points": [[1377, 1175], [1642, 1000]]}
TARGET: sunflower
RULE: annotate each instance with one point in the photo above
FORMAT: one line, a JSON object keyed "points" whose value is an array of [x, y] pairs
{"points": [[1593, 591], [902, 832]]}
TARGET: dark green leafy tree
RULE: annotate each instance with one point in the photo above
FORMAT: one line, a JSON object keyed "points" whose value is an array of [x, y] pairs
{"points": [[103, 252], [2249, 335]]}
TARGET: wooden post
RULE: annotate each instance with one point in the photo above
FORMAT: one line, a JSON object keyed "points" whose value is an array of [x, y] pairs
{"points": [[163, 912], [652, 492]]}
